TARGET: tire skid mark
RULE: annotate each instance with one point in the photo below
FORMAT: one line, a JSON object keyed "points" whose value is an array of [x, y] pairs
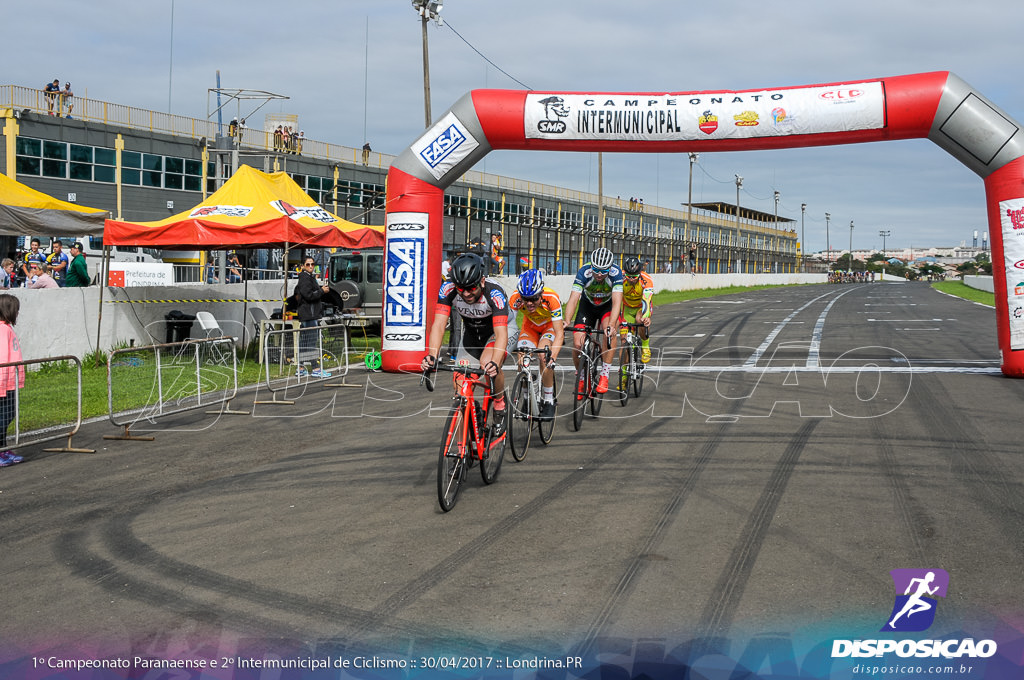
{"points": [[985, 481], [717, 616], [669, 513], [917, 524]]}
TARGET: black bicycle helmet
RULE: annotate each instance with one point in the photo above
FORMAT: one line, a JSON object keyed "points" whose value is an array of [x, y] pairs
{"points": [[467, 270], [632, 266]]}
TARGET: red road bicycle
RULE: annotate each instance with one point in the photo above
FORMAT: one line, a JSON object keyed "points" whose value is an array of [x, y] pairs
{"points": [[467, 437]]}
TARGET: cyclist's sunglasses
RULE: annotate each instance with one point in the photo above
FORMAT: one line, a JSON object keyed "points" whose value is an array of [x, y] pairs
{"points": [[632, 277], [599, 272], [468, 289], [533, 299]]}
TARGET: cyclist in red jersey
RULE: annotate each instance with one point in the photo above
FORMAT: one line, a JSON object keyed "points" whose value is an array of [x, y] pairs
{"points": [[487, 328]]}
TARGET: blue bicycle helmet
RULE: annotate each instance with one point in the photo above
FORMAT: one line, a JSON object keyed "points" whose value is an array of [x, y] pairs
{"points": [[531, 283]]}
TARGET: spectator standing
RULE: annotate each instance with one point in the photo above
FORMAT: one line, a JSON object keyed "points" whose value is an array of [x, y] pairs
{"points": [[7, 273], [58, 262], [234, 268], [12, 378], [278, 138], [39, 276], [33, 255], [52, 90], [299, 139], [78, 271], [67, 99], [366, 153], [310, 293]]}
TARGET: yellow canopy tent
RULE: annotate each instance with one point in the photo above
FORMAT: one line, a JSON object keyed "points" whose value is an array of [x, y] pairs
{"points": [[252, 209], [27, 212]]}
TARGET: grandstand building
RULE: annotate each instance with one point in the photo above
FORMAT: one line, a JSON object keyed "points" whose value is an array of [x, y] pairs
{"points": [[147, 165]]}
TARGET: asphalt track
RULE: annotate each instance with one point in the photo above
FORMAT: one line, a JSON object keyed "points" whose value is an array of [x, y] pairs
{"points": [[792, 446]]}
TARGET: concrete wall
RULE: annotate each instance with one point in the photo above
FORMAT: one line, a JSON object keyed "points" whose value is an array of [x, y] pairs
{"points": [[59, 322], [981, 283], [63, 321]]}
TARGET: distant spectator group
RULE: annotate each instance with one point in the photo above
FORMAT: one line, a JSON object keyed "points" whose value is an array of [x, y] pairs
{"points": [[61, 101], [287, 140], [36, 269]]}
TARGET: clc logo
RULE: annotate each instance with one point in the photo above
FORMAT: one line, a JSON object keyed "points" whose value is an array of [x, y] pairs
{"points": [[840, 95], [914, 610]]}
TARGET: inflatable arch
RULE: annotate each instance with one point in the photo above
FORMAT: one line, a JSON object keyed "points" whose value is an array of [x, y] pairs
{"points": [[939, 106]]}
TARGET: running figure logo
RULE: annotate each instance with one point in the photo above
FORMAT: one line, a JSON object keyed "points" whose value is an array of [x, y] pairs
{"points": [[914, 609]]}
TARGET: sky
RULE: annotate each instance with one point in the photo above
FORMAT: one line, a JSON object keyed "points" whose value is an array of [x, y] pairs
{"points": [[352, 71]]}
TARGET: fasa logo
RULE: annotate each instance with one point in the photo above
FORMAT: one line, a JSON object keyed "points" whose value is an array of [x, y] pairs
{"points": [[1019, 264], [915, 605], [405, 281], [443, 146]]}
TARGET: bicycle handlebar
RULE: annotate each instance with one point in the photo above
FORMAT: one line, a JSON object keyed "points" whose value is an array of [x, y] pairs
{"points": [[474, 372]]}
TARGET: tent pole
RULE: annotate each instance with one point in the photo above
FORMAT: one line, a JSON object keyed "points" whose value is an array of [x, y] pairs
{"points": [[104, 267]]}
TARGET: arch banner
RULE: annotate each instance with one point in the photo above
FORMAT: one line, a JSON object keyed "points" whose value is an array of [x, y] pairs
{"points": [[938, 106]]}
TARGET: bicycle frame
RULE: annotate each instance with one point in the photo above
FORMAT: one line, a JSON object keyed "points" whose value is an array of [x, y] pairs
{"points": [[466, 380]]}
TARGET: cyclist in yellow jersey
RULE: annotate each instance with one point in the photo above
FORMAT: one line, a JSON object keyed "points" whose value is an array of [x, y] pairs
{"points": [[542, 327], [637, 293]]}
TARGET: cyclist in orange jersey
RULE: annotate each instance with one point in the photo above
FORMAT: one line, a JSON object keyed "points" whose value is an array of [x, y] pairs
{"points": [[542, 327]]}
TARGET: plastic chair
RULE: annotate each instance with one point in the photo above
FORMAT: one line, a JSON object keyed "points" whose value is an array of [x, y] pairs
{"points": [[207, 322]]}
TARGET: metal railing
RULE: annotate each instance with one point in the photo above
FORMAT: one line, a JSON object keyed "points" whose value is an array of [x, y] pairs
{"points": [[54, 401], [169, 378], [31, 99], [291, 355]]}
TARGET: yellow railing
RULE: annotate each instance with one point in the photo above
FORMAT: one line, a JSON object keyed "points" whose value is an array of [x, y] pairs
{"points": [[30, 99]]}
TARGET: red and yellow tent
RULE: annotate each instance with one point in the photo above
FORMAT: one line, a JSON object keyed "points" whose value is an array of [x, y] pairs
{"points": [[253, 209]]}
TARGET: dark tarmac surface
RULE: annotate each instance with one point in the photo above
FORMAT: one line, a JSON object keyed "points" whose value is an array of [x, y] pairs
{"points": [[793, 446]]}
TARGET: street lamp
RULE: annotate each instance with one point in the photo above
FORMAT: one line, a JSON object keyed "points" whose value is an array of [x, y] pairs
{"points": [[884, 233], [429, 10], [803, 244], [851, 246], [739, 183], [828, 244], [689, 204]]}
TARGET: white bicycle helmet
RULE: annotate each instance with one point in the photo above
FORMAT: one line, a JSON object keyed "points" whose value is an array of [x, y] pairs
{"points": [[601, 259]]}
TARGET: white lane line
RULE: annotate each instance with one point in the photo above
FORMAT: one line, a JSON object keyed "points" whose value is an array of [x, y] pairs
{"points": [[759, 352], [814, 351], [830, 369]]}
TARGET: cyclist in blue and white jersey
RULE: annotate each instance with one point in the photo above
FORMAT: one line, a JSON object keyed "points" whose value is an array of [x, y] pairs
{"points": [[596, 301]]}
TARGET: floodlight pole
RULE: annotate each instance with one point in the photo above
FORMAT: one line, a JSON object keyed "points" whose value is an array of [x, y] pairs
{"points": [[803, 245], [739, 183], [828, 244]]}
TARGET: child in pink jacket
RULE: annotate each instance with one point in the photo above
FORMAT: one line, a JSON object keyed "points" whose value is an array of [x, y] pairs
{"points": [[12, 378]]}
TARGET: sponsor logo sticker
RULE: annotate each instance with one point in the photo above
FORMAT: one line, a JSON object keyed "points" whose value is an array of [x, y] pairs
{"points": [[707, 123], [226, 210]]}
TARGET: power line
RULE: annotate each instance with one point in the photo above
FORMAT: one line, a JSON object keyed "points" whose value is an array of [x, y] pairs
{"points": [[449, 25]]}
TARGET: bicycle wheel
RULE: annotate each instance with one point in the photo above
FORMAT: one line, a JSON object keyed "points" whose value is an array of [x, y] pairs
{"points": [[595, 375], [494, 449], [520, 423], [451, 467], [581, 388], [546, 428], [624, 373], [637, 371]]}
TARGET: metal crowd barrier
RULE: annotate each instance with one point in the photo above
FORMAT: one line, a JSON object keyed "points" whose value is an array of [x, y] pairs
{"points": [[285, 350], [54, 401], [172, 378]]}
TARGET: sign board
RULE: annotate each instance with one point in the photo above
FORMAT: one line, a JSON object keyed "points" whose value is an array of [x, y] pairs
{"points": [[129, 274]]}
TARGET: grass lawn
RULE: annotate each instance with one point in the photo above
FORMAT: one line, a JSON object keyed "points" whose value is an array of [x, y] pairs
{"points": [[961, 289]]}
